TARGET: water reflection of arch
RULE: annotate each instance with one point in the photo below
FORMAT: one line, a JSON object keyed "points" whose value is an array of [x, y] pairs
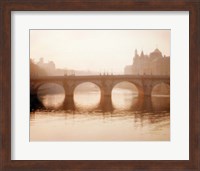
{"points": [[150, 104], [123, 95], [88, 101], [161, 103], [35, 103], [141, 103], [158, 82], [151, 117], [70, 87]]}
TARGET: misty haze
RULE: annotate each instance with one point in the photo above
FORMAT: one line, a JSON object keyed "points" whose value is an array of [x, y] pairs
{"points": [[99, 85]]}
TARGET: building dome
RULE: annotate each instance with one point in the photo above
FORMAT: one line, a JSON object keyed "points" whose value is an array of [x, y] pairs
{"points": [[157, 50], [156, 54]]}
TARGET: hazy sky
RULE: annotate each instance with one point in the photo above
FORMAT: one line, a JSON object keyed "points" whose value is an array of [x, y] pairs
{"points": [[96, 50]]}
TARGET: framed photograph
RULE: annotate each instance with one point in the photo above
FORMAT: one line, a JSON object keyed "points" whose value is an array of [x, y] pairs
{"points": [[87, 90], [92, 85]]}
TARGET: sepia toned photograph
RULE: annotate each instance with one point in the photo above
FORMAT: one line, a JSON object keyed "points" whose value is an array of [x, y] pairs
{"points": [[100, 85]]}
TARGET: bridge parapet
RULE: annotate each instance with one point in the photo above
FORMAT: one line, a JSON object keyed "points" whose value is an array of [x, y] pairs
{"points": [[73, 77]]}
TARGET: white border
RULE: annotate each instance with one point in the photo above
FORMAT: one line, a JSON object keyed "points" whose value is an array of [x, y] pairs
{"points": [[176, 149]]}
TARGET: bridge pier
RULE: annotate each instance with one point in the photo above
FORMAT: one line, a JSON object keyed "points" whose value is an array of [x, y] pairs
{"points": [[106, 103], [106, 98], [147, 89], [145, 96], [68, 103], [144, 103], [147, 104]]}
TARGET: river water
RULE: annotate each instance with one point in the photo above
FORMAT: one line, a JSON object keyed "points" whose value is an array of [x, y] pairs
{"points": [[130, 118]]}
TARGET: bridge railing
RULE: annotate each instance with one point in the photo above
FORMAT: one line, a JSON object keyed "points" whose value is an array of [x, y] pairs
{"points": [[100, 76]]}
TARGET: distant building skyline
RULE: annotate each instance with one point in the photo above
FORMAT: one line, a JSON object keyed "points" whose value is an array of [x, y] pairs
{"points": [[95, 50], [50, 69], [155, 63]]}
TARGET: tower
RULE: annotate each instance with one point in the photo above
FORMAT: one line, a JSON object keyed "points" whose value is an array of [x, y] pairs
{"points": [[142, 54], [136, 54]]}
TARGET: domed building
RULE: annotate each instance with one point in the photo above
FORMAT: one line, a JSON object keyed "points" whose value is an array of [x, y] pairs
{"points": [[154, 63], [156, 54]]}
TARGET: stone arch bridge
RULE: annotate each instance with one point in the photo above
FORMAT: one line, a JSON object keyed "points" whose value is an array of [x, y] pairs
{"points": [[144, 84]]}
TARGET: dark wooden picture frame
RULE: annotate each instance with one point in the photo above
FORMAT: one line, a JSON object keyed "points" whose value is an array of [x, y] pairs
{"points": [[7, 6]]}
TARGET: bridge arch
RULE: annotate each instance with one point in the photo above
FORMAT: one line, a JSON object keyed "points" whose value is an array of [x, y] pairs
{"points": [[70, 87], [78, 83], [124, 95], [42, 95], [51, 95], [87, 95], [160, 87], [106, 83], [35, 85]]}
